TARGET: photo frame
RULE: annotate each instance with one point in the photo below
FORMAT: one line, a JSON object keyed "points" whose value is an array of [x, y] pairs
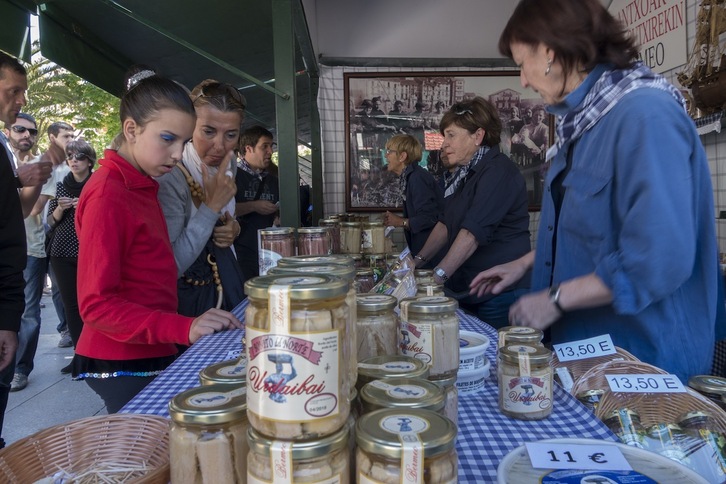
{"points": [[380, 105]]}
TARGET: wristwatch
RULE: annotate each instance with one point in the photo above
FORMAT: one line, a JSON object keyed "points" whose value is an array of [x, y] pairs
{"points": [[554, 295], [405, 224], [441, 273]]}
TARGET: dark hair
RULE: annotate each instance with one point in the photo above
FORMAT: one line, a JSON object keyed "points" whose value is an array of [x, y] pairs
{"points": [[9, 62], [219, 95], [252, 135], [82, 146], [148, 93], [472, 115], [27, 117], [56, 128], [582, 33]]}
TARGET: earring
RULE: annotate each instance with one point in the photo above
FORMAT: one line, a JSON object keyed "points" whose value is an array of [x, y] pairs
{"points": [[549, 67]]}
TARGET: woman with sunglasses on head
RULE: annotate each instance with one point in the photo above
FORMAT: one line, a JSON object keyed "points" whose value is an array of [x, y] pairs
{"points": [[126, 270], [63, 240], [197, 198], [486, 217]]}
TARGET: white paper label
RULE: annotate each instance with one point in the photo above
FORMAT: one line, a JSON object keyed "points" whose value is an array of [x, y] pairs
{"points": [[417, 340], [585, 348], [400, 391], [413, 457], [548, 455], [526, 394], [647, 383], [565, 378]]}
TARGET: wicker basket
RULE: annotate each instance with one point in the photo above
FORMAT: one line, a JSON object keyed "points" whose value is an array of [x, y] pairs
{"points": [[89, 444], [594, 378], [580, 367]]}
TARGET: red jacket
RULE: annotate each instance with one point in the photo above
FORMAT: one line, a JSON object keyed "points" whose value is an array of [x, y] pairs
{"points": [[126, 271]]}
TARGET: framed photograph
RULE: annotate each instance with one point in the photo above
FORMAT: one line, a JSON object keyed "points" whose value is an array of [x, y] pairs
{"points": [[383, 105]]}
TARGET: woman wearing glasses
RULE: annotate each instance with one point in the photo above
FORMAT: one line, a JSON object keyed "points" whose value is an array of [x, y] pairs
{"points": [[63, 245], [197, 198], [486, 218]]}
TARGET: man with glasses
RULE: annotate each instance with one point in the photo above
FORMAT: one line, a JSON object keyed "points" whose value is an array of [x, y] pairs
{"points": [[22, 136]]}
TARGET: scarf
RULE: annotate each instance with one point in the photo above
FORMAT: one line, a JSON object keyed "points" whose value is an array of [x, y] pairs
{"points": [[403, 181], [609, 89], [454, 181], [74, 187], [193, 163], [246, 167]]}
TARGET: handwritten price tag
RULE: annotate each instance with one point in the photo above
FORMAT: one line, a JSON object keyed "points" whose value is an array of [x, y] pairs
{"points": [[548, 455], [645, 383], [585, 348]]}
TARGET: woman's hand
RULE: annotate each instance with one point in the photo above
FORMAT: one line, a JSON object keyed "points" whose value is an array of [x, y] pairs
{"points": [[213, 321], [219, 188], [392, 220], [498, 278], [534, 310], [224, 235], [64, 203]]}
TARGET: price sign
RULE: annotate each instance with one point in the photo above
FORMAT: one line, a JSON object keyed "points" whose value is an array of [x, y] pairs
{"points": [[645, 383], [550, 455], [585, 348]]}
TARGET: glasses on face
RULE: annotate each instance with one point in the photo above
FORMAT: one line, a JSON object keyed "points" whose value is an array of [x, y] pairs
{"points": [[22, 129], [78, 156], [460, 109], [388, 152], [221, 89]]}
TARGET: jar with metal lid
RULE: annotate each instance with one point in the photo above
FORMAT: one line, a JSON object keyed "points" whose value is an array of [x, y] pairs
{"points": [[321, 461], [402, 393], [228, 372], [423, 275], [390, 366], [430, 332], [350, 241], [525, 381], [372, 238], [711, 387], [208, 435], [314, 241], [519, 335], [625, 423], [429, 289], [365, 280], [451, 396], [377, 262], [708, 460], [377, 325], [591, 398], [419, 444], [298, 377], [333, 226], [346, 272], [274, 243], [666, 439], [306, 260]]}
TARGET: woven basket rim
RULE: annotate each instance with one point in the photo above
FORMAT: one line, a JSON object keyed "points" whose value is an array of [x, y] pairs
{"points": [[578, 368]]}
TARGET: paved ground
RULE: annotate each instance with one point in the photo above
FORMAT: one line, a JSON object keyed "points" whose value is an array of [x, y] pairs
{"points": [[50, 398]]}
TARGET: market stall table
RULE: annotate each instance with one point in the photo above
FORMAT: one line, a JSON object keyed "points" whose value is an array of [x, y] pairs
{"points": [[485, 434]]}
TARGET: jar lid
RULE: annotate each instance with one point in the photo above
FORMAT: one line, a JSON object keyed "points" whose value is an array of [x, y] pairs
{"points": [[344, 271], [521, 334], [619, 413], [372, 224], [430, 304], [538, 355], [425, 286], [313, 230], [302, 287], [379, 432], [277, 231], [693, 417], [299, 260], [423, 273], [391, 366], [403, 393], [444, 383], [708, 384], [227, 372], [350, 224], [301, 450], [375, 302], [209, 405]]}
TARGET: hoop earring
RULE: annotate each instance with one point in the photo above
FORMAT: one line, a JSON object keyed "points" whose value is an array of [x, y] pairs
{"points": [[549, 67]]}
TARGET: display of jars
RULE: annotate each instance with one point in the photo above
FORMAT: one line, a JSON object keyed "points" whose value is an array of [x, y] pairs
{"points": [[274, 243], [298, 377], [333, 226], [365, 280], [372, 238], [402, 393], [519, 335], [429, 331], [525, 381], [306, 260], [228, 372], [314, 241], [394, 443], [350, 242], [208, 435], [325, 460], [390, 366], [377, 326]]}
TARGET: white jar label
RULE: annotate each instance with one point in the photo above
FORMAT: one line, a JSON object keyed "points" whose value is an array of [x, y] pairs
{"points": [[400, 391], [268, 260], [391, 367], [366, 239], [417, 340], [526, 394]]}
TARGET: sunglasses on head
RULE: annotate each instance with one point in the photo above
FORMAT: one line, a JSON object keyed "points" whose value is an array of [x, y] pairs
{"points": [[78, 156], [22, 129], [462, 108], [221, 89]]}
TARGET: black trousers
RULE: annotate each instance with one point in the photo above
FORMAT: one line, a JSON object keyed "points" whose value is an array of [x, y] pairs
{"points": [[117, 392], [66, 274]]}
